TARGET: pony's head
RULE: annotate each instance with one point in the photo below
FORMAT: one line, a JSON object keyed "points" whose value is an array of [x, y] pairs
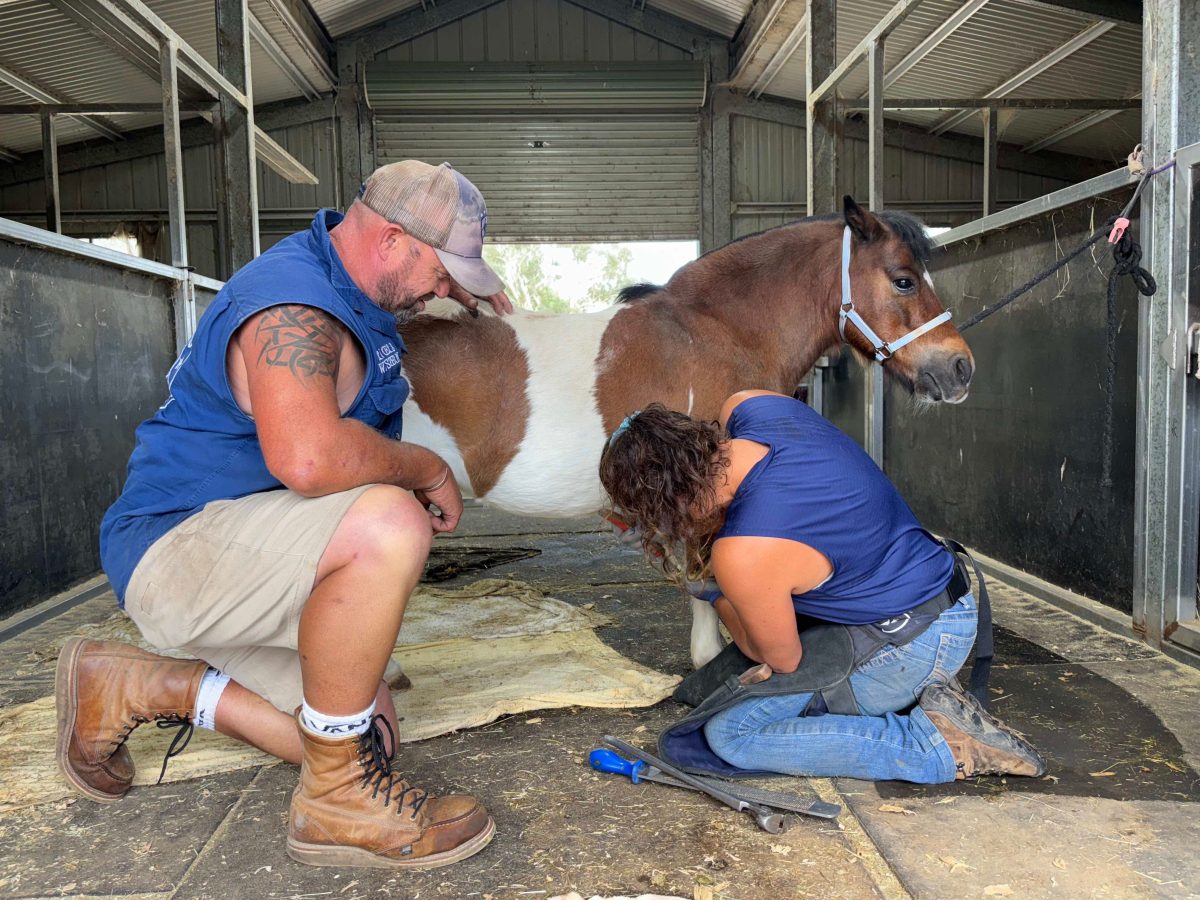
{"points": [[893, 294]]}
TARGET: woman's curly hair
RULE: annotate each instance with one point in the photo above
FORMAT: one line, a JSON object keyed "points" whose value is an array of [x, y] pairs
{"points": [[660, 471]]}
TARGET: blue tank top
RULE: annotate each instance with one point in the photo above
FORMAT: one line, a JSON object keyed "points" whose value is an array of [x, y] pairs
{"points": [[818, 487], [200, 446]]}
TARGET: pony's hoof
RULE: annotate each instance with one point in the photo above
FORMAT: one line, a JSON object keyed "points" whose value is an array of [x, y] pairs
{"points": [[395, 678]]}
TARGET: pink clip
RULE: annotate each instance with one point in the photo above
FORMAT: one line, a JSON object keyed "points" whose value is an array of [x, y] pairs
{"points": [[1118, 230]]}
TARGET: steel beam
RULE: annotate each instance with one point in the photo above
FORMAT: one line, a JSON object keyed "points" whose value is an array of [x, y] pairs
{"points": [[1102, 103], [991, 168], [1167, 449], [135, 30], [303, 25], [752, 34], [349, 107], [933, 41], [25, 86], [1114, 10], [234, 125], [786, 50], [890, 21], [1093, 187], [1073, 128], [173, 152], [874, 396], [148, 141], [95, 109], [717, 52], [280, 57], [777, 24], [822, 131], [50, 167], [1051, 59]]}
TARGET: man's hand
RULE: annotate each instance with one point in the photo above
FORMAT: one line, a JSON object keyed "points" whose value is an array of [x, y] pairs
{"points": [[447, 498], [500, 302]]}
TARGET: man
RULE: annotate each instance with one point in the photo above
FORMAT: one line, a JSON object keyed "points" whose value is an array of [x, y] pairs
{"points": [[273, 527]]}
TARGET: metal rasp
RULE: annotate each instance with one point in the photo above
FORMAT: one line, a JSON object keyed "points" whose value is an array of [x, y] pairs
{"points": [[636, 770]]}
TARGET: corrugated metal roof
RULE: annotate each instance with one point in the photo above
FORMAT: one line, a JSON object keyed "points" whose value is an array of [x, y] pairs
{"points": [[721, 16], [343, 16], [1000, 40]]}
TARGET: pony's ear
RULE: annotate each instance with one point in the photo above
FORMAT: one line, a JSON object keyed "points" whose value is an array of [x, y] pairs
{"points": [[863, 224]]}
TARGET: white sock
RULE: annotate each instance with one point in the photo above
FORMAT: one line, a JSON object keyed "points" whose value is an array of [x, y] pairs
{"points": [[212, 686], [325, 725]]}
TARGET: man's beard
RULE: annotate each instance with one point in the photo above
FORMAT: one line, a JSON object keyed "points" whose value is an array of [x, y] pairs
{"points": [[394, 295]]}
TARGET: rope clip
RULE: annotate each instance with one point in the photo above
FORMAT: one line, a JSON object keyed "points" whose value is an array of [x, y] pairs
{"points": [[1118, 230]]}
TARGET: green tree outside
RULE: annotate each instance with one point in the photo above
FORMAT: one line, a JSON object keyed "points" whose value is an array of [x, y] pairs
{"points": [[530, 285]]}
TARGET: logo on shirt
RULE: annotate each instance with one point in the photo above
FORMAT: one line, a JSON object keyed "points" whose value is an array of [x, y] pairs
{"points": [[387, 356], [173, 372]]}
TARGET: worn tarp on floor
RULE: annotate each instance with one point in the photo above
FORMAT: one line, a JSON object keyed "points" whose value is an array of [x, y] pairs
{"points": [[491, 649]]}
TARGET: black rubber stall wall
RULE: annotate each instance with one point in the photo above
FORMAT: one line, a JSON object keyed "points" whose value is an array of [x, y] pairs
{"points": [[85, 351], [1016, 470]]}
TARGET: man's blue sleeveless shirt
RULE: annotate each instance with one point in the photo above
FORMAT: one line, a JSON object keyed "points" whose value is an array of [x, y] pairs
{"points": [[200, 446], [818, 487]]}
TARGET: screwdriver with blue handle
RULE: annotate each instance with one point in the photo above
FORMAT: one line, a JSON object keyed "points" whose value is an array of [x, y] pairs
{"points": [[637, 771]]}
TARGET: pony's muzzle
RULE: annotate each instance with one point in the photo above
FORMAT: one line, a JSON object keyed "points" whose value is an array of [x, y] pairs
{"points": [[946, 380]]}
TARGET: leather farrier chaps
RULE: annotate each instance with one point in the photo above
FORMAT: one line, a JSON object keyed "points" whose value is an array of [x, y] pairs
{"points": [[831, 654]]}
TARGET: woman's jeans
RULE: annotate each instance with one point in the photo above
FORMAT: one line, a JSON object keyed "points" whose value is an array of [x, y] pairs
{"points": [[773, 734]]}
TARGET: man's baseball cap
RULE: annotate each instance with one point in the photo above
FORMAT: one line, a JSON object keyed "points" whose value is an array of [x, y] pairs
{"points": [[439, 207]]}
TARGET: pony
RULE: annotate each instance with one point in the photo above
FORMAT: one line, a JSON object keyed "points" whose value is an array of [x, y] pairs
{"points": [[521, 406]]}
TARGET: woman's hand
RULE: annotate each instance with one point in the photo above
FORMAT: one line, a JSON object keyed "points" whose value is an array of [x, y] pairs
{"points": [[758, 577]]}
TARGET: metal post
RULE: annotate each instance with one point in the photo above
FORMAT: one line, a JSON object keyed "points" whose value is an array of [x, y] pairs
{"points": [[234, 125], [50, 167], [722, 154], [185, 296], [1168, 448], [821, 134], [350, 164], [990, 170], [173, 151], [873, 395]]}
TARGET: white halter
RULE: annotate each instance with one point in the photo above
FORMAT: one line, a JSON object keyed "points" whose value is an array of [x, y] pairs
{"points": [[883, 349]]}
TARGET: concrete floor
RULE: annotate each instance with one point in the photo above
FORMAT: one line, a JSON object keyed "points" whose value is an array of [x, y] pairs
{"points": [[1116, 817]]}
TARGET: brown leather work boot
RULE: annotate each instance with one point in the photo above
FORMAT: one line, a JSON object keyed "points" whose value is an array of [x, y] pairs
{"points": [[980, 744], [103, 691], [351, 809]]}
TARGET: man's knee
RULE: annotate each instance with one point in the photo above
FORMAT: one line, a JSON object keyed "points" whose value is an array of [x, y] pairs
{"points": [[385, 521]]}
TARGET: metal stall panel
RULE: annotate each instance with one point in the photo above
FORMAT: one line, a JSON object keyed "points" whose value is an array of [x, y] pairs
{"points": [[1017, 470], [87, 346], [566, 176]]}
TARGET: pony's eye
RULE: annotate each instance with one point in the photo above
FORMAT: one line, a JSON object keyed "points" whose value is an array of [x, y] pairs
{"points": [[904, 285]]}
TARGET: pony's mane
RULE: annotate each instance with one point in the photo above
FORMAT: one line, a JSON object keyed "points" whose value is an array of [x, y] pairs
{"points": [[640, 291], [906, 227]]}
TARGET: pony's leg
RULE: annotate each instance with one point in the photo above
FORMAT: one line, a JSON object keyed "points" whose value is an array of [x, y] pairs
{"points": [[706, 632]]}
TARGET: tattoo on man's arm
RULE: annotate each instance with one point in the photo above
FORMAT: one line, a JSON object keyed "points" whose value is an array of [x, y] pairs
{"points": [[304, 339]]}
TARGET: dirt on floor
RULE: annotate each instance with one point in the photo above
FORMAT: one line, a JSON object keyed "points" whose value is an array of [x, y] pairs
{"points": [[1115, 817]]}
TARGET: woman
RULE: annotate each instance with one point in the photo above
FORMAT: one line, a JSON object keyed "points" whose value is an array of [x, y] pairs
{"points": [[791, 516]]}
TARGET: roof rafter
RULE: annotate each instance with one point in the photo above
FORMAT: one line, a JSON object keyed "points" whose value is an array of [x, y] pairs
{"points": [[40, 94], [1051, 59], [932, 42], [1073, 128], [133, 30], [279, 56]]}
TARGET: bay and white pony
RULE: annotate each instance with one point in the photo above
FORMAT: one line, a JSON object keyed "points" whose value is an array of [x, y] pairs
{"points": [[521, 406]]}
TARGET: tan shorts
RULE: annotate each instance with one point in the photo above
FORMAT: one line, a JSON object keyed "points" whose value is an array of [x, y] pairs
{"points": [[228, 585]]}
